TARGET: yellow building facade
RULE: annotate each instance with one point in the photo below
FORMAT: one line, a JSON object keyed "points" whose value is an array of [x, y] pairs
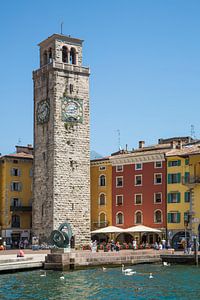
{"points": [[183, 191], [101, 193], [16, 195]]}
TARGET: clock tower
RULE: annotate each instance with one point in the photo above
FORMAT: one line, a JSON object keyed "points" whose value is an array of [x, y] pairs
{"points": [[61, 186]]}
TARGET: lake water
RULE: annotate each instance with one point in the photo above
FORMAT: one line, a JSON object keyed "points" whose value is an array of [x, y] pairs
{"points": [[174, 282]]}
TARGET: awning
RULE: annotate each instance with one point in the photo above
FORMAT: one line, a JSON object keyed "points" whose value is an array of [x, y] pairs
{"points": [[108, 229], [142, 228]]}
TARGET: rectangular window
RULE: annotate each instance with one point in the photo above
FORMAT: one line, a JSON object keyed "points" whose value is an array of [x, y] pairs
{"points": [[119, 181], [138, 166], [119, 199], [157, 198], [187, 161], [187, 196], [119, 168], [15, 172], [174, 217], [16, 186], [158, 178], [15, 202], [158, 164], [138, 179], [102, 168], [174, 178], [174, 163], [174, 197], [138, 199]]}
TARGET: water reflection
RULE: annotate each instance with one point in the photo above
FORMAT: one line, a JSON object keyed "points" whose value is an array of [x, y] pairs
{"points": [[174, 282]]}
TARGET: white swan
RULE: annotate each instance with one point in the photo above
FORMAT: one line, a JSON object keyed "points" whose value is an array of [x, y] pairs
{"points": [[166, 264], [104, 269], [127, 271], [43, 275], [62, 277], [150, 276]]}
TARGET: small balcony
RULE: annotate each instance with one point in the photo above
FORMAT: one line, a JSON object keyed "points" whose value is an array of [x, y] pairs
{"points": [[101, 224], [21, 208], [190, 181]]}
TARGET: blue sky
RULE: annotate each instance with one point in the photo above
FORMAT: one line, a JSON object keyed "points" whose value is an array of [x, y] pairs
{"points": [[144, 58]]}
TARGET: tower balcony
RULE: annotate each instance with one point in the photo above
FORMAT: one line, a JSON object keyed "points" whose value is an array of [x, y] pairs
{"points": [[20, 208], [190, 181]]}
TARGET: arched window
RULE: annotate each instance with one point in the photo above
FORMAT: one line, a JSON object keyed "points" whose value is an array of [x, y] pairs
{"points": [[73, 56], [15, 221], [119, 218], [45, 57], [64, 54], [102, 180], [138, 217], [50, 58], [158, 216], [102, 199], [102, 219]]}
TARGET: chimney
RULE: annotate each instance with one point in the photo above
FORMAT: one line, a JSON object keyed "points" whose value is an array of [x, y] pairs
{"points": [[180, 144], [173, 144], [141, 144]]}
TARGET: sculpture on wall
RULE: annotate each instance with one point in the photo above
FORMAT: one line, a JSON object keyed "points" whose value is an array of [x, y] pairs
{"points": [[61, 238]]}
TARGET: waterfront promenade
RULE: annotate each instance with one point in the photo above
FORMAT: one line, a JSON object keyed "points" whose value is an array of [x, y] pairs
{"points": [[9, 262]]}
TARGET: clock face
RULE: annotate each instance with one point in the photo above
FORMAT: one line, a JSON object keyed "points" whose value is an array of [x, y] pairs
{"points": [[43, 111], [72, 110]]}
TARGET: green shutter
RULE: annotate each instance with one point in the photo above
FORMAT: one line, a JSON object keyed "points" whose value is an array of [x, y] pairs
{"points": [[169, 163], [178, 217], [179, 162], [169, 178], [187, 196], [178, 197], [186, 216], [169, 198], [169, 219], [187, 176], [178, 177], [187, 161]]}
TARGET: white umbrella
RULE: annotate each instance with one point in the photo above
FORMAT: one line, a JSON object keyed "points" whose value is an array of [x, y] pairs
{"points": [[108, 229], [141, 228]]}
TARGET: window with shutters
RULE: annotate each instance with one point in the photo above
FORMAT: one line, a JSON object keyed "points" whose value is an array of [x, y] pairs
{"points": [[187, 196], [15, 172], [158, 178], [16, 186], [73, 56], [16, 202], [119, 218], [119, 199], [174, 217], [174, 178], [187, 161], [174, 197], [119, 181], [174, 163], [138, 199], [157, 198]]}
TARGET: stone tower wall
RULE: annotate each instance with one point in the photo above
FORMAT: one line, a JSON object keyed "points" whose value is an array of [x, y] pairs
{"points": [[62, 153]]}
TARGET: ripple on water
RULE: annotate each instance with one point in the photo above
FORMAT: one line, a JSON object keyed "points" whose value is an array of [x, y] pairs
{"points": [[175, 282]]}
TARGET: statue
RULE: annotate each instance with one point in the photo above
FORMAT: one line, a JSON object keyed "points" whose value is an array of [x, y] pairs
{"points": [[61, 238]]}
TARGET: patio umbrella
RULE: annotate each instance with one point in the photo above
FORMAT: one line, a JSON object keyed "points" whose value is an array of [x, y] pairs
{"points": [[141, 228], [108, 229]]}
